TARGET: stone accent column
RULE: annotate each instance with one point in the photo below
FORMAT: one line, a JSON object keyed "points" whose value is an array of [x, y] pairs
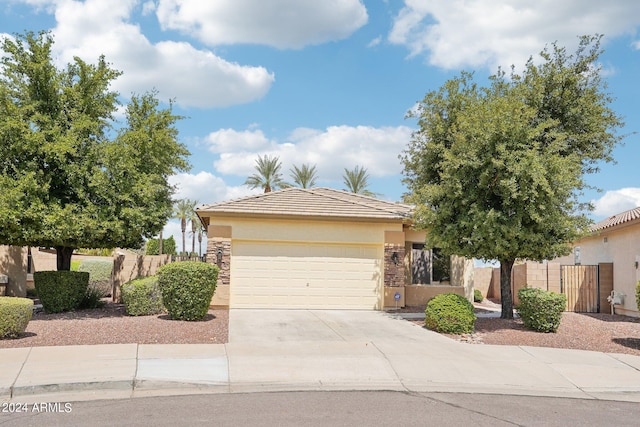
{"points": [[394, 269], [393, 265], [219, 242]]}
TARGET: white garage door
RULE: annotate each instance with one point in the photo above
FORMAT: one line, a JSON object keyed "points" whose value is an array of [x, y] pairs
{"points": [[290, 275]]}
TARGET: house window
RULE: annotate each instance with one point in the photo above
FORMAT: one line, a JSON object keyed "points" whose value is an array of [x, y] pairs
{"points": [[441, 266], [429, 266]]}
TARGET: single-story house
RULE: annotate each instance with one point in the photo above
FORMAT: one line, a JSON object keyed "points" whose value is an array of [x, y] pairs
{"points": [[614, 240], [326, 249]]}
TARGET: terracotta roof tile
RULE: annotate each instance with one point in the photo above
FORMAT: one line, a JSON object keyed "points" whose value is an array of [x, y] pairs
{"points": [[322, 202], [617, 219]]}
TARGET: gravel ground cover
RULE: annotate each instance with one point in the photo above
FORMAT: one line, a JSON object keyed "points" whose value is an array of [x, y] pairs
{"points": [[583, 331], [111, 325]]}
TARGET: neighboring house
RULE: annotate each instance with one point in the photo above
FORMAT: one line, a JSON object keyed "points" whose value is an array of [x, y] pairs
{"points": [[324, 248], [614, 240]]}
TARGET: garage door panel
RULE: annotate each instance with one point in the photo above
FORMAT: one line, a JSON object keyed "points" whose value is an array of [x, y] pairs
{"points": [[287, 275]]}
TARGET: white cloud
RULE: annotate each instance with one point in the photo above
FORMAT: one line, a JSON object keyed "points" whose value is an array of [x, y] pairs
{"points": [[460, 33], [225, 140], [617, 201], [332, 150], [280, 23], [191, 76], [375, 42], [206, 188]]}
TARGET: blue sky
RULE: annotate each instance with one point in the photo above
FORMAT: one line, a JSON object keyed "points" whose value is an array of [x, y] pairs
{"points": [[329, 82]]}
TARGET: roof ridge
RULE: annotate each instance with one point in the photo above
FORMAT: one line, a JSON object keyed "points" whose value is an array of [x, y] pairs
{"points": [[253, 196], [617, 219], [353, 198]]}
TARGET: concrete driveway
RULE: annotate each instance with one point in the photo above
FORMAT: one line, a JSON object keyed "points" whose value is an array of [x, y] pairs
{"points": [[271, 326]]}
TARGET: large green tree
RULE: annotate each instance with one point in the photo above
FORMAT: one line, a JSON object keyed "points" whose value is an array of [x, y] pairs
{"points": [[496, 172], [69, 177]]}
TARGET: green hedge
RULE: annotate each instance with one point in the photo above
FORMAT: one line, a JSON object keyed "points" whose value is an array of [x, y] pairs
{"points": [[61, 290], [450, 314], [477, 295], [187, 288], [15, 314], [541, 310], [141, 297]]}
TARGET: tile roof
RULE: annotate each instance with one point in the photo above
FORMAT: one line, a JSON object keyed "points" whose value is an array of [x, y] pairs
{"points": [[314, 202], [617, 219]]}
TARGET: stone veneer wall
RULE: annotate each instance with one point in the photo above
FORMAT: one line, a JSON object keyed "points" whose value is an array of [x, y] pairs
{"points": [[213, 244], [394, 274]]}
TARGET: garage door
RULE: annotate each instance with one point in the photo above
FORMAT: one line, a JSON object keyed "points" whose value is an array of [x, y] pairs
{"points": [[290, 275]]}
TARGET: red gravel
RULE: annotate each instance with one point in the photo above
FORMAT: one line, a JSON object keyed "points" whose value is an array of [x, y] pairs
{"points": [[110, 325]]}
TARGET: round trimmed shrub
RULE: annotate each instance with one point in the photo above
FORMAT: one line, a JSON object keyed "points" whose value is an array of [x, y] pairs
{"points": [[450, 314], [15, 314], [141, 297], [541, 310], [477, 295], [187, 288], [60, 290]]}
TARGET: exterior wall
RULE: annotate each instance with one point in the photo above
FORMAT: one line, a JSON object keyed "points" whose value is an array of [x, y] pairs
{"points": [[223, 230], [394, 271], [462, 275], [219, 241], [130, 266], [13, 263], [482, 280], [419, 295], [620, 246], [307, 231]]}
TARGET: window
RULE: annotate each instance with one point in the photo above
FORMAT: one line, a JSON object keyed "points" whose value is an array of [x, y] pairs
{"points": [[441, 266]]}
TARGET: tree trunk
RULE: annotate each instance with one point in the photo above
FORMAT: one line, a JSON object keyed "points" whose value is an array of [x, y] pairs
{"points": [[183, 224], [160, 244], [505, 288], [63, 258]]}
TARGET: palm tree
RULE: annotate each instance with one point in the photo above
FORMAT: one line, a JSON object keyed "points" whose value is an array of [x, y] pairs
{"points": [[305, 176], [195, 225], [268, 177], [357, 181], [201, 231], [182, 210]]}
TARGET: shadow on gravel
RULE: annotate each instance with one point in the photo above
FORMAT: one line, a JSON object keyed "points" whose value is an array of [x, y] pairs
{"points": [[207, 318], [604, 317], [628, 342]]}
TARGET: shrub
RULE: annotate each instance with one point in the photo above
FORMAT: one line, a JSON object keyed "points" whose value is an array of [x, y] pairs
{"points": [[541, 310], [141, 297], [450, 314], [15, 314], [477, 295], [99, 273], [168, 246], [61, 290], [92, 298], [187, 288]]}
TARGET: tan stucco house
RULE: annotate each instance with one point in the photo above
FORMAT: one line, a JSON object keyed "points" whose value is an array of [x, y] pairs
{"points": [[322, 248], [614, 240]]}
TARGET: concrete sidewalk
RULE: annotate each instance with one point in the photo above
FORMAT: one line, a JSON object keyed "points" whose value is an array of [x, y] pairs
{"points": [[310, 350]]}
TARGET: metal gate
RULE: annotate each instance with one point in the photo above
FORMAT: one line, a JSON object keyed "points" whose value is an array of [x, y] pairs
{"points": [[580, 284]]}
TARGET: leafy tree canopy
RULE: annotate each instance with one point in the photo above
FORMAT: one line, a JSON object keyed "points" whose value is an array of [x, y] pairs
{"points": [[168, 246], [70, 178], [496, 172]]}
